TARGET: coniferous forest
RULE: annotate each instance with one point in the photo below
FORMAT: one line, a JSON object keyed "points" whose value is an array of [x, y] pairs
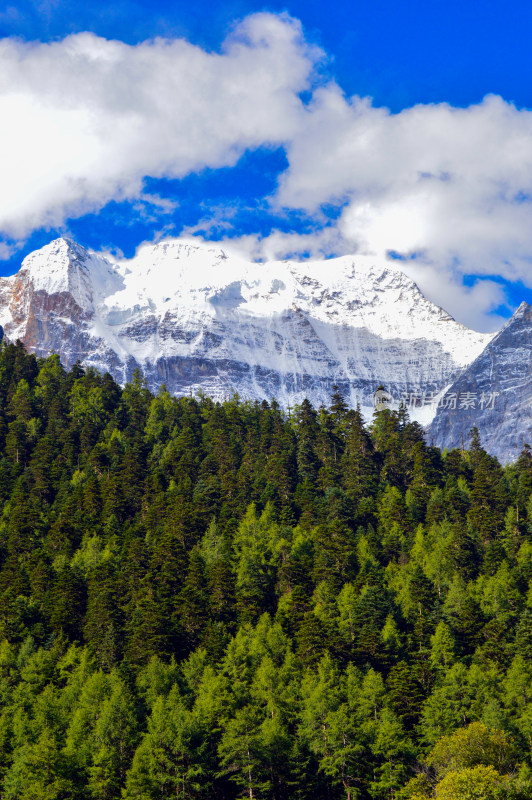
{"points": [[205, 600]]}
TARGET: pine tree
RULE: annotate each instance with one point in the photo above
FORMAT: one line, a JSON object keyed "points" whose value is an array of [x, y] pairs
{"points": [[165, 763]]}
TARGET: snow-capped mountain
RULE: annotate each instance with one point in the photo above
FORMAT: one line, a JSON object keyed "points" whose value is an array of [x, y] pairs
{"points": [[494, 394], [196, 317]]}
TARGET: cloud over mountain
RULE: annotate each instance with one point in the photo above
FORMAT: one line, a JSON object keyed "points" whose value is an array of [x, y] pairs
{"points": [[447, 183], [86, 120]]}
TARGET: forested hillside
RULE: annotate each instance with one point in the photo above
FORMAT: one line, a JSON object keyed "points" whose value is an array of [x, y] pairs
{"points": [[203, 600]]}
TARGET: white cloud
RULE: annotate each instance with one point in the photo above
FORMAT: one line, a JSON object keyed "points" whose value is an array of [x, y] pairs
{"points": [[474, 306], [8, 249], [84, 120], [452, 184], [279, 244]]}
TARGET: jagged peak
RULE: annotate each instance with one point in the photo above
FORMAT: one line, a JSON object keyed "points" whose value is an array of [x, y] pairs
{"points": [[523, 308], [189, 298], [57, 255], [64, 248], [201, 260], [206, 278], [58, 267], [66, 243], [500, 337]]}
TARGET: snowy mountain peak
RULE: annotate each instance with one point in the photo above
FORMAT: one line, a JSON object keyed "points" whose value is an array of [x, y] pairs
{"points": [[197, 315], [66, 267], [59, 267], [206, 281], [520, 319], [59, 254], [520, 312]]}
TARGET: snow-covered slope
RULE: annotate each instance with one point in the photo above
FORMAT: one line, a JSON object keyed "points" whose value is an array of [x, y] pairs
{"points": [[494, 394], [196, 317]]}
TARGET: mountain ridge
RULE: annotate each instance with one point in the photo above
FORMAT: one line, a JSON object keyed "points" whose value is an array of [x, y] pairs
{"points": [[502, 375], [197, 317]]}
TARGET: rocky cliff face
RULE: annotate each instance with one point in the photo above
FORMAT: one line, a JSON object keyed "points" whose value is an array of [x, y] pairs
{"points": [[494, 394], [194, 317]]}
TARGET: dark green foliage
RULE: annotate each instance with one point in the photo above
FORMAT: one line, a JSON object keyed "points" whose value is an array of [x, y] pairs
{"points": [[220, 600]]}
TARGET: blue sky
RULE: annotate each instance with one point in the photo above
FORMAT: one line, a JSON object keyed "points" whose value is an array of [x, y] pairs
{"points": [[437, 176]]}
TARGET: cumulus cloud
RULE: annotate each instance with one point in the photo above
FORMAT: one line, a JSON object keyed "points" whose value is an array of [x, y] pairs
{"points": [[280, 244], [451, 185], [475, 305], [84, 120], [8, 249]]}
